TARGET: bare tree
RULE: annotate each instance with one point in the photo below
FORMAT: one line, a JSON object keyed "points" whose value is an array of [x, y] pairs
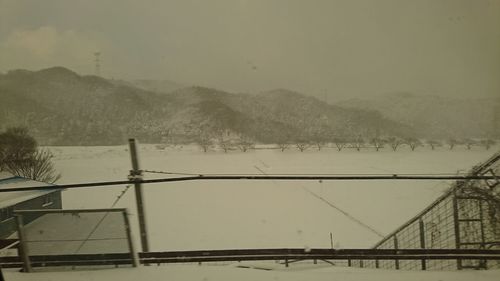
{"points": [[166, 136], [302, 145], [487, 143], [203, 137], [20, 156], [245, 143], [320, 137], [204, 141], [37, 166], [395, 142], [358, 143], [283, 145], [340, 142], [15, 144], [452, 143], [224, 140], [319, 144], [378, 143], [413, 143], [283, 141], [434, 143], [469, 143]]}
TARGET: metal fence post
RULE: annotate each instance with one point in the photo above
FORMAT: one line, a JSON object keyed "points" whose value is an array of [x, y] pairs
{"points": [[23, 249], [133, 254], [422, 240], [136, 175], [456, 224], [396, 261]]}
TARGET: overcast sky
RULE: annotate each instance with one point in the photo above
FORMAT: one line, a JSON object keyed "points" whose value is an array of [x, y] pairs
{"points": [[348, 48]]}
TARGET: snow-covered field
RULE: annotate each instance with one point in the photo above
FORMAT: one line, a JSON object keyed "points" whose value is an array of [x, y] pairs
{"points": [[263, 214], [255, 214]]}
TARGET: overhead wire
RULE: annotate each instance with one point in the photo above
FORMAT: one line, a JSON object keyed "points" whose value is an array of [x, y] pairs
{"points": [[94, 229], [349, 216], [290, 177], [305, 174]]}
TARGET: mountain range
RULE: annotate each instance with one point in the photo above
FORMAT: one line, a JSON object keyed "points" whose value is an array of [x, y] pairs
{"points": [[433, 116], [61, 107]]}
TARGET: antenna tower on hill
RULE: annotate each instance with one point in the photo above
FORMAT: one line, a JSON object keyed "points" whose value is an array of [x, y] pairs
{"points": [[97, 63]]}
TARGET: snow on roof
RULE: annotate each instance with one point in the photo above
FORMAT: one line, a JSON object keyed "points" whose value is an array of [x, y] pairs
{"points": [[8, 180]]}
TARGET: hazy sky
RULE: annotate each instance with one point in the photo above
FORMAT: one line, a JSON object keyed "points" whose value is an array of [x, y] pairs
{"points": [[346, 48]]}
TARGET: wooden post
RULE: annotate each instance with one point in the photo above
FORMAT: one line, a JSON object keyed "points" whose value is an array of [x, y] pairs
{"points": [[136, 175], [422, 240], [23, 249], [331, 240], [133, 254]]}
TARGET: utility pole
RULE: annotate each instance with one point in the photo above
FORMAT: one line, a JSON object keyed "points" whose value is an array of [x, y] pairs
{"points": [[97, 63], [136, 176]]}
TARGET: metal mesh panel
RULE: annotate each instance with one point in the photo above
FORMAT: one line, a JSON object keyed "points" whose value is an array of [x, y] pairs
{"points": [[387, 264], [467, 218], [70, 235], [439, 233], [76, 233]]}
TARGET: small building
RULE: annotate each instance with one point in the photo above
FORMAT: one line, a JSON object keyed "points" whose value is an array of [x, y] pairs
{"points": [[23, 200]]}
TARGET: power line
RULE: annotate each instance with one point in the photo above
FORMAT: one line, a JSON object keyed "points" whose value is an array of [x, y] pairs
{"points": [[344, 213], [171, 173], [295, 174], [335, 207], [101, 220], [256, 177]]}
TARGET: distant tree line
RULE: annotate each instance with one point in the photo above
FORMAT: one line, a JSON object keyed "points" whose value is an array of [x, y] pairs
{"points": [[226, 140]]}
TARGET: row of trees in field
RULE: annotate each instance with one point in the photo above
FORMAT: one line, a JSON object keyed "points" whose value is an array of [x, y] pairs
{"points": [[226, 141]]}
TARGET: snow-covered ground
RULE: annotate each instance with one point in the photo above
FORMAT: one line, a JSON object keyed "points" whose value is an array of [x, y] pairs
{"points": [[260, 214], [263, 214], [231, 272]]}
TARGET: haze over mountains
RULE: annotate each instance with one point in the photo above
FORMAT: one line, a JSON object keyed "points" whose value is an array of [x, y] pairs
{"points": [[437, 117], [61, 107]]}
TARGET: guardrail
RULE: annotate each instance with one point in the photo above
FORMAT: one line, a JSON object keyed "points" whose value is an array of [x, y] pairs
{"points": [[252, 255]]}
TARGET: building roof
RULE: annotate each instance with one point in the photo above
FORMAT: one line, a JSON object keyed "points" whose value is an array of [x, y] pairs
{"points": [[8, 180]]}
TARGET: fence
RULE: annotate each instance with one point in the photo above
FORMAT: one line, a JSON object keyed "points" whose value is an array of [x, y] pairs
{"points": [[73, 232], [459, 230], [466, 217]]}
